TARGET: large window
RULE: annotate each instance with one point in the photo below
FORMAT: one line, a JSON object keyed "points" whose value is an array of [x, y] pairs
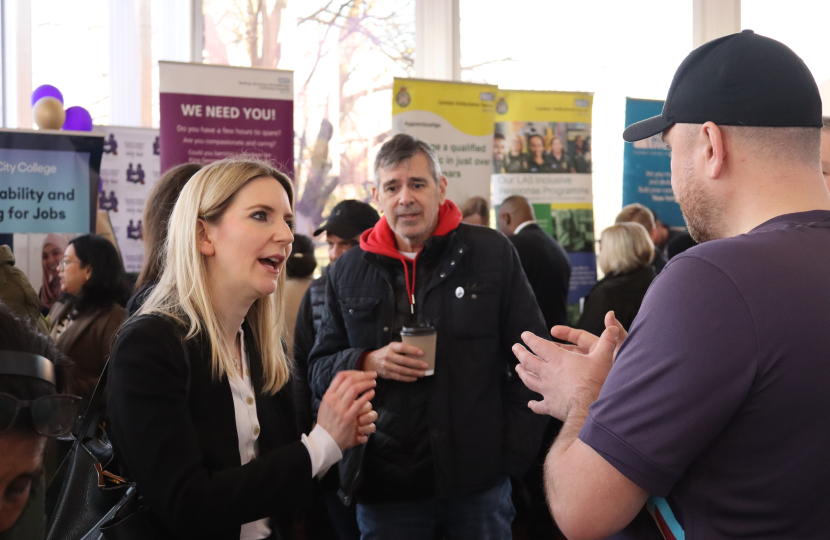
{"points": [[70, 50], [344, 55], [612, 48], [799, 24]]}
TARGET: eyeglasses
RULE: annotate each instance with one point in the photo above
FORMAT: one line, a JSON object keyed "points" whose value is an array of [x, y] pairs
{"points": [[52, 416], [64, 262]]}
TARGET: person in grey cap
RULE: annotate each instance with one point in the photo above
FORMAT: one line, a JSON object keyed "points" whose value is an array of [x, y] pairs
{"points": [[343, 228], [709, 419]]}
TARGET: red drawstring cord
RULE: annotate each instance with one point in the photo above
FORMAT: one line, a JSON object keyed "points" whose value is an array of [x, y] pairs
{"points": [[410, 292]]}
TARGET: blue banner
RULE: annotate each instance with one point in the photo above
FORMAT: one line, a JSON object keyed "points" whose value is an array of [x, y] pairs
{"points": [[647, 167], [48, 182]]}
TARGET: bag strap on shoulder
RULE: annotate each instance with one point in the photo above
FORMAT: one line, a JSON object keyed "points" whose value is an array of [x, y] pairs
{"points": [[95, 401]]}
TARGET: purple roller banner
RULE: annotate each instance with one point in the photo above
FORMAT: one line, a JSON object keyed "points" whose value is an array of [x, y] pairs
{"points": [[209, 113]]}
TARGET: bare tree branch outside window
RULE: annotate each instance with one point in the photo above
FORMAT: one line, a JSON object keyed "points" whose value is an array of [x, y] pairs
{"points": [[345, 55]]}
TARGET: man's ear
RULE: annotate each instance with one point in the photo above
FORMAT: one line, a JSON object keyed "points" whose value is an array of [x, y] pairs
{"points": [[715, 151], [206, 246], [442, 186], [375, 197]]}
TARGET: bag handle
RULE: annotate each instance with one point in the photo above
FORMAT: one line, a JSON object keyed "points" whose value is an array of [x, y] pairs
{"points": [[97, 394], [94, 402]]}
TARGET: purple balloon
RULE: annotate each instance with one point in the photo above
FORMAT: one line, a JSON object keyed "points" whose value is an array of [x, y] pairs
{"points": [[46, 90], [77, 119]]}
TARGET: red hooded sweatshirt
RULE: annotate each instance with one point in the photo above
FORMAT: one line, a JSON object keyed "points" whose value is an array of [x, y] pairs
{"points": [[380, 239]]}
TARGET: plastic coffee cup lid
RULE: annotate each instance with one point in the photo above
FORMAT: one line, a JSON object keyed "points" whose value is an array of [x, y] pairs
{"points": [[424, 330]]}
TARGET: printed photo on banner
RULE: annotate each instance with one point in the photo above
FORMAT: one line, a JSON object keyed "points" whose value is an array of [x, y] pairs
{"points": [[541, 147], [542, 152]]}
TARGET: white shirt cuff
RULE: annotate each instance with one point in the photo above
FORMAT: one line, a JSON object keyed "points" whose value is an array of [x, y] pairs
{"points": [[322, 449]]}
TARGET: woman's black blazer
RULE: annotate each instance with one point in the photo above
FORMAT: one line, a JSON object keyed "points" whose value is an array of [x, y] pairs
{"points": [[180, 444]]}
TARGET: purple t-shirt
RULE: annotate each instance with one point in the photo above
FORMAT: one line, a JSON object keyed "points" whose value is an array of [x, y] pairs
{"points": [[719, 402]]}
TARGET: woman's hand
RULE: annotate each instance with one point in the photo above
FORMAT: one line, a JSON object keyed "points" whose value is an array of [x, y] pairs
{"points": [[346, 412]]}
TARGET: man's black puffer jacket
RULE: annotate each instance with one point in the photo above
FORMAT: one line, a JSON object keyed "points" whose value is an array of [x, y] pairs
{"points": [[480, 302]]}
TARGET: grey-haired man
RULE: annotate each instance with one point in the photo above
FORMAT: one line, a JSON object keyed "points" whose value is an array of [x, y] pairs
{"points": [[446, 444]]}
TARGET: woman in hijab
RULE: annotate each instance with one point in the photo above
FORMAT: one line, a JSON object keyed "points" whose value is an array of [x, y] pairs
{"points": [[51, 255]]}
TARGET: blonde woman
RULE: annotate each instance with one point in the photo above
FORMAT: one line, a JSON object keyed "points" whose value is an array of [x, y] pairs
{"points": [[625, 256], [209, 436]]}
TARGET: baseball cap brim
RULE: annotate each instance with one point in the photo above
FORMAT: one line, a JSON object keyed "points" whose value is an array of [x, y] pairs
{"points": [[646, 128], [343, 230]]}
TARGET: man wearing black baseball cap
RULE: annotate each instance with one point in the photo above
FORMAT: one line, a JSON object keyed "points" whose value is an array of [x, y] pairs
{"points": [[345, 224], [712, 422]]}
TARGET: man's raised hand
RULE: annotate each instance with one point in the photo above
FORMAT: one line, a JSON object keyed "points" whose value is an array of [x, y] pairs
{"points": [[584, 342], [564, 377]]}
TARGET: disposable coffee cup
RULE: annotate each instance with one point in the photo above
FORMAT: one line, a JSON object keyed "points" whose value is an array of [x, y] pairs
{"points": [[424, 338]]}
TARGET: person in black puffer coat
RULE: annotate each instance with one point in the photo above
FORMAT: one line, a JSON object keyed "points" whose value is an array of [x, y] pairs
{"points": [[343, 229], [445, 444]]}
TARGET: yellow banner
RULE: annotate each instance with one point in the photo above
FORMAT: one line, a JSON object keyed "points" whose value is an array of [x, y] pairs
{"points": [[526, 105], [469, 108]]}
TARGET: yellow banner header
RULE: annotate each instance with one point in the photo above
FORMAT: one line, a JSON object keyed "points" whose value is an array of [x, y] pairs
{"points": [[470, 108], [525, 105]]}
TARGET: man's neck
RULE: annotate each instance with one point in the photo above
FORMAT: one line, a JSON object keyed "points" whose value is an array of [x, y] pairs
{"points": [[409, 245], [782, 194]]}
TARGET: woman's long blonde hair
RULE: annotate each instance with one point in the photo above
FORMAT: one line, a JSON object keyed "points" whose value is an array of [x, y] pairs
{"points": [[183, 293]]}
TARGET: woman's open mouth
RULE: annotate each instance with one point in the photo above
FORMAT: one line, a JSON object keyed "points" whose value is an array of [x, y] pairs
{"points": [[272, 264]]}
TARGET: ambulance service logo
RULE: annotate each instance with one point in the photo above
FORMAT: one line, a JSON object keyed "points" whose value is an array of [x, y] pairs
{"points": [[501, 106], [403, 99]]}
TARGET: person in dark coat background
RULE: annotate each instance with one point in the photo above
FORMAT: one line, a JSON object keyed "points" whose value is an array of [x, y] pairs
{"points": [[548, 270], [88, 314], [343, 228], [625, 256], [545, 262]]}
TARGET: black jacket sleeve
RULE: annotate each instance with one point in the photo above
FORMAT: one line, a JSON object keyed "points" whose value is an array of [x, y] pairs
{"points": [[154, 437], [332, 352], [520, 313], [303, 343]]}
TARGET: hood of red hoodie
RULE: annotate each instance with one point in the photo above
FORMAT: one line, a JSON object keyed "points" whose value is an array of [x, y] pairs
{"points": [[380, 239]]}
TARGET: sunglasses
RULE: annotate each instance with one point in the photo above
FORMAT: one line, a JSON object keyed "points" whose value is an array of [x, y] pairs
{"points": [[52, 416]]}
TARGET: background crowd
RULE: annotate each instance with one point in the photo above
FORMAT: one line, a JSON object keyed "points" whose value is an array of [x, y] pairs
{"points": [[246, 399], [85, 299]]}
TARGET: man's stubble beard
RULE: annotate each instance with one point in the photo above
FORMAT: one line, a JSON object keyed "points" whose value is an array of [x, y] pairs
{"points": [[702, 212]]}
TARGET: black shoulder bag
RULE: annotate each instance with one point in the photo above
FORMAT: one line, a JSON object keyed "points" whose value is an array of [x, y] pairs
{"points": [[84, 501]]}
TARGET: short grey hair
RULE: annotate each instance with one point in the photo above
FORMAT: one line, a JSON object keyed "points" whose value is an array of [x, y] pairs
{"points": [[825, 122], [403, 147]]}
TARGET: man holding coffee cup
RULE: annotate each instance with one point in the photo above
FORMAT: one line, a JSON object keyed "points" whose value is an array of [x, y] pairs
{"points": [[427, 293]]}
